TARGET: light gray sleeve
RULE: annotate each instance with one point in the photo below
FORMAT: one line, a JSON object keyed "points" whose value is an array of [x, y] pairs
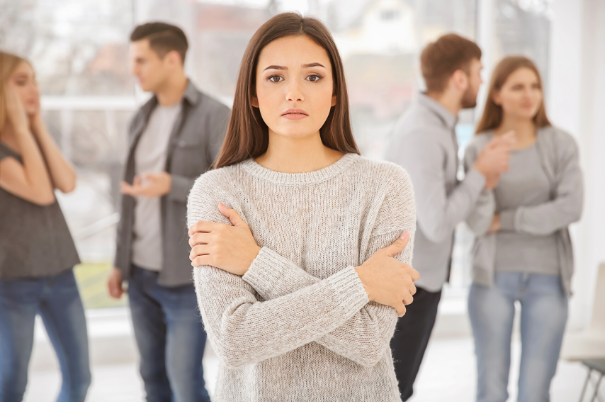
{"points": [[566, 208], [438, 214], [245, 330], [365, 336], [480, 218]]}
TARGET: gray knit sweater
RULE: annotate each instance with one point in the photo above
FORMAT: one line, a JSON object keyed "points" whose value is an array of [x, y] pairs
{"points": [[298, 325]]}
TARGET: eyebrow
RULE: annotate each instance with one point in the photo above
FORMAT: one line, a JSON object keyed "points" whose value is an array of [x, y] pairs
{"points": [[274, 67]]}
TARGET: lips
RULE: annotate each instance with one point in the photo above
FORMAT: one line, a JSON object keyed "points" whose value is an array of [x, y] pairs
{"points": [[295, 114]]}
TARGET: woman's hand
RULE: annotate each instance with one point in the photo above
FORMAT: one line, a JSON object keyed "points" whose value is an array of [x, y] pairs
{"points": [[495, 225], [15, 111], [230, 248], [387, 280]]}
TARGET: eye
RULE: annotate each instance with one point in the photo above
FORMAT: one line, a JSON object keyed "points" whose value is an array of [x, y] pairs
{"points": [[314, 78], [275, 78]]}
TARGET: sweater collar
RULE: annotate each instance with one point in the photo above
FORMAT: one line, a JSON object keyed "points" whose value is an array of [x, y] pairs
{"points": [[293, 179]]}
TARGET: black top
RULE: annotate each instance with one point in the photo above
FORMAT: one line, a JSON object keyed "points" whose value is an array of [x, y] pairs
{"points": [[34, 240]]}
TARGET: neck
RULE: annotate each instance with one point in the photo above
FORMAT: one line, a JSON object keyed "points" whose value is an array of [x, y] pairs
{"points": [[448, 100], [297, 155], [524, 128], [172, 91]]}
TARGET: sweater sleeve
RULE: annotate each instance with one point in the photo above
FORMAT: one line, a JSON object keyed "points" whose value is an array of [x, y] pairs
{"points": [[481, 216], [438, 212], [564, 209], [244, 329], [365, 337]]}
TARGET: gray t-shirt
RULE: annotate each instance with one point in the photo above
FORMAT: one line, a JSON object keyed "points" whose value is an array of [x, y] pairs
{"points": [[525, 184], [150, 157]]}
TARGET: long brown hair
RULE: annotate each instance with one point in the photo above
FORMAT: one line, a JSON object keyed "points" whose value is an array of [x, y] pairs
{"points": [[492, 113], [8, 64], [247, 134]]}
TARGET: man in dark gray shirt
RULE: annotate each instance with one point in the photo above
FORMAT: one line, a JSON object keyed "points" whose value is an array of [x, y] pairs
{"points": [[173, 139], [424, 143]]}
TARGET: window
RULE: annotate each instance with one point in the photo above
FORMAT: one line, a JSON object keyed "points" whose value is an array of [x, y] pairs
{"points": [[80, 51]]}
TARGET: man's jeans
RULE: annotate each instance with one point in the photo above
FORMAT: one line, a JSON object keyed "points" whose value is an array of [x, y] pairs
{"points": [[543, 317], [57, 300], [170, 337]]}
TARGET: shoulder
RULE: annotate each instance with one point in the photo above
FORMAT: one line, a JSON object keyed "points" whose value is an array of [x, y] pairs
{"points": [[211, 104], [215, 180], [378, 173], [561, 143], [561, 136], [210, 189]]}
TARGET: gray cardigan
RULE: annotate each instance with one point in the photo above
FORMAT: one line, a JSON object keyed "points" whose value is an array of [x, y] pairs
{"points": [[195, 141], [560, 160]]}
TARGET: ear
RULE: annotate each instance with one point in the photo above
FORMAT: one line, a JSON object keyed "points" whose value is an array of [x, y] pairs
{"points": [[254, 102], [496, 98], [334, 100], [460, 80]]}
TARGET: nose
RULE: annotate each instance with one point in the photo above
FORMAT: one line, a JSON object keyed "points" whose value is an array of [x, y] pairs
{"points": [[293, 93]]}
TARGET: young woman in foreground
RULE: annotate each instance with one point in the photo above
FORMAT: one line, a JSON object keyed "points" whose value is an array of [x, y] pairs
{"points": [[523, 250], [299, 243], [37, 253]]}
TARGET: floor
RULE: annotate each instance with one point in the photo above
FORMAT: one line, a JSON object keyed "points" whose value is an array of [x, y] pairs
{"points": [[448, 374]]}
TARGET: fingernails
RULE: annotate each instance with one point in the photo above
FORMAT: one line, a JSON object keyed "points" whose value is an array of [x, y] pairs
{"points": [[405, 235]]}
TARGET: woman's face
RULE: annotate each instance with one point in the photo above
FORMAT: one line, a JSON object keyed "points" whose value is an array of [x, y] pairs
{"points": [[521, 94], [294, 86], [23, 81]]}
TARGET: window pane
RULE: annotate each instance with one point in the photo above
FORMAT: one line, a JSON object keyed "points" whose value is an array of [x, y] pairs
{"points": [[78, 47]]}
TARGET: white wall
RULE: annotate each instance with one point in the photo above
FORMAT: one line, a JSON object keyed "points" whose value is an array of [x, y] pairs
{"points": [[577, 104]]}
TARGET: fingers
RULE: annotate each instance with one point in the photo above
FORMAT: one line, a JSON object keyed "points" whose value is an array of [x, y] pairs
{"points": [[400, 308], [203, 227], [199, 250], [232, 214], [199, 238], [115, 288], [399, 244]]}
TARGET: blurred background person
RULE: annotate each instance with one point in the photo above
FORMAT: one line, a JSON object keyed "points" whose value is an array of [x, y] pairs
{"points": [[37, 252], [523, 250], [424, 143], [173, 138]]}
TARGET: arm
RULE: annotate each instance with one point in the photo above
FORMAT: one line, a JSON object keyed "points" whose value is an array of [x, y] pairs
{"points": [[245, 330], [61, 171], [480, 218], [566, 208], [365, 336], [29, 180], [438, 213]]}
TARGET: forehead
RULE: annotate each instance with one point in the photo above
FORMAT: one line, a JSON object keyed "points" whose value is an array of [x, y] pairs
{"points": [[293, 51], [522, 74], [23, 69]]}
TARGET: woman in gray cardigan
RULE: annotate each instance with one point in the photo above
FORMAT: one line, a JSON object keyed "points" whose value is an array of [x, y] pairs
{"points": [[523, 250]]}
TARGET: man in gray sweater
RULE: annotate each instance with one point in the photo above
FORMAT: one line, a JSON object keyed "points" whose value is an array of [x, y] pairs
{"points": [[424, 143], [173, 139]]}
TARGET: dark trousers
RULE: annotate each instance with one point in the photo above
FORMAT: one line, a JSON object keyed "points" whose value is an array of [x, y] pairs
{"points": [[170, 337], [411, 338]]}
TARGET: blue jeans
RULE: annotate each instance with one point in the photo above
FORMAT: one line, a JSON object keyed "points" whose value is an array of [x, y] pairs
{"points": [[57, 300], [543, 317], [170, 337]]}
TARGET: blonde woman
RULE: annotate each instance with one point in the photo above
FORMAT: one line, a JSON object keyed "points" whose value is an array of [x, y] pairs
{"points": [[37, 253], [523, 249]]}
